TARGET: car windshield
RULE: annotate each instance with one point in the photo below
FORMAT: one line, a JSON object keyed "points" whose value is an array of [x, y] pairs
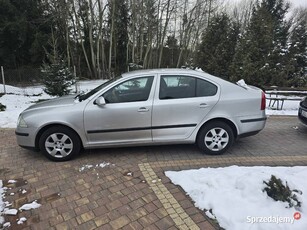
{"points": [[85, 96]]}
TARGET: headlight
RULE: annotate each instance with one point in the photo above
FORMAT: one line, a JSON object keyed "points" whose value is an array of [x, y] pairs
{"points": [[21, 122]]}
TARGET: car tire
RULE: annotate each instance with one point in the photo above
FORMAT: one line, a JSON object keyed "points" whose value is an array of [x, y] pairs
{"points": [[59, 143], [215, 138]]}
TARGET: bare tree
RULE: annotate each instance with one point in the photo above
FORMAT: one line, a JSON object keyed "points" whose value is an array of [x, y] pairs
{"points": [[167, 10], [242, 11], [80, 37], [188, 25], [111, 34]]}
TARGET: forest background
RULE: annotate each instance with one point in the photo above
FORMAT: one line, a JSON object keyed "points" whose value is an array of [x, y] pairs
{"points": [[263, 42]]}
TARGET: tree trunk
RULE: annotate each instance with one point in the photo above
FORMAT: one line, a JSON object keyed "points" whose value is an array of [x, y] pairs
{"points": [[111, 36], [93, 55], [81, 40], [168, 15]]}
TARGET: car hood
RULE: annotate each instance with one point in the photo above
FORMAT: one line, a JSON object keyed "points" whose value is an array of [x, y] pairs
{"points": [[57, 102]]}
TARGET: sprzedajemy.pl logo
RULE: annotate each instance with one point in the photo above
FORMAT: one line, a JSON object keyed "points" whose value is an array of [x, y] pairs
{"points": [[274, 219]]}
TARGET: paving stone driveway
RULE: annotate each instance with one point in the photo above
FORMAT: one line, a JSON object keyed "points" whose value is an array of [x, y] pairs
{"points": [[131, 192]]}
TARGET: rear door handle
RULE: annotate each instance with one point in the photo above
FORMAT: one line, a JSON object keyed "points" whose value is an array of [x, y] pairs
{"points": [[143, 109], [203, 105]]}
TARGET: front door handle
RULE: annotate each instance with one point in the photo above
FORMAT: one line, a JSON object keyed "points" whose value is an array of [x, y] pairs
{"points": [[143, 109]]}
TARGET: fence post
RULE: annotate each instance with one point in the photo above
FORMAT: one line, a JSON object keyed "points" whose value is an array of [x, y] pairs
{"points": [[76, 81], [3, 79]]}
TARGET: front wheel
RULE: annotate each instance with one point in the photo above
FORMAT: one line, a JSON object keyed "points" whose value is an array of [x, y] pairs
{"points": [[59, 143], [215, 138]]}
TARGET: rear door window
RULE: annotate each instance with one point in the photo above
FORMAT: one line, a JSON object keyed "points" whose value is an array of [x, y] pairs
{"points": [[175, 87]]}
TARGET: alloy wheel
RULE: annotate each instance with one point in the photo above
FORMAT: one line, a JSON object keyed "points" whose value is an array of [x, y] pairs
{"points": [[58, 145], [216, 139]]}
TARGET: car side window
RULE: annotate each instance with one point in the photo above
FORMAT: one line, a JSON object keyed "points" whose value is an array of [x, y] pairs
{"points": [[175, 87], [205, 88], [137, 89]]}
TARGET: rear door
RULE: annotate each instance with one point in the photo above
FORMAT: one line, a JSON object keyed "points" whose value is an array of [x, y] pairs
{"points": [[181, 103]]}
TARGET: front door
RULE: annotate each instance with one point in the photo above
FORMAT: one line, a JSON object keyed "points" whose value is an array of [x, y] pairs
{"points": [[126, 116]]}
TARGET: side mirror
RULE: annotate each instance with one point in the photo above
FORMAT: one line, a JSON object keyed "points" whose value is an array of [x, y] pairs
{"points": [[100, 101]]}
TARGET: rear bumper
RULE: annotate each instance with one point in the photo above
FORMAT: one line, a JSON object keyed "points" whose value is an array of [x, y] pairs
{"points": [[254, 120], [247, 134], [251, 126]]}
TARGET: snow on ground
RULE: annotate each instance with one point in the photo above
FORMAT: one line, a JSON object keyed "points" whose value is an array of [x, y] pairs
{"points": [[290, 108], [21, 220], [30, 206], [235, 197], [5, 210], [89, 166], [2, 205]]}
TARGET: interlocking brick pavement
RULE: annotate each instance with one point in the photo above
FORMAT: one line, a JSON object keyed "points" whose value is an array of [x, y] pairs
{"points": [[119, 196]]}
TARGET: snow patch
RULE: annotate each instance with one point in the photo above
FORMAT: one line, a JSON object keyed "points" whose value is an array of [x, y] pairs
{"points": [[84, 167], [6, 224], [242, 84], [103, 164], [209, 214], [235, 195], [11, 212], [30, 206], [21, 220], [2, 204], [89, 166], [199, 69]]}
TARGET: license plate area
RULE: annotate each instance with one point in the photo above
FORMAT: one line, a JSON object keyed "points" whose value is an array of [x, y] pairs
{"points": [[304, 113]]}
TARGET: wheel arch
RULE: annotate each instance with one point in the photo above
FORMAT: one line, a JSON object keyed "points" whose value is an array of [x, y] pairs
{"points": [[44, 128], [221, 119]]}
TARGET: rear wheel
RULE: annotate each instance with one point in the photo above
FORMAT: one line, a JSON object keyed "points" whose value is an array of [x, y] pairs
{"points": [[59, 143], [215, 138]]}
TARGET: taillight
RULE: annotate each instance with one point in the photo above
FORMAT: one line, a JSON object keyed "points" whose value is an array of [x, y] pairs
{"points": [[263, 101]]}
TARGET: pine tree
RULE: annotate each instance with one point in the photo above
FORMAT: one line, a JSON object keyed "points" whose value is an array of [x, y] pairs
{"points": [[23, 31], [216, 51], [261, 54], [121, 22], [297, 68], [56, 76]]}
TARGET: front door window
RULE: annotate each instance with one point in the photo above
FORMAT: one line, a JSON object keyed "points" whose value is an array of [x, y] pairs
{"points": [[137, 89]]}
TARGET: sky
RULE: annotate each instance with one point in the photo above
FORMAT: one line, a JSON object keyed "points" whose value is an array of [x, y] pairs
{"points": [[294, 3], [299, 3]]}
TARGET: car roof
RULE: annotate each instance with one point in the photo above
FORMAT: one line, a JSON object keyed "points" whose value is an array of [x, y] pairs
{"points": [[174, 71], [161, 71]]}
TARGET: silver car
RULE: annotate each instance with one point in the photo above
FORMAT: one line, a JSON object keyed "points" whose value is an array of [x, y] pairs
{"points": [[148, 107]]}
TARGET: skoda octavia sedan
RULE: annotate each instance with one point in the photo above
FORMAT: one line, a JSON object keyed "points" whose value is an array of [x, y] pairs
{"points": [[147, 107], [302, 112]]}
